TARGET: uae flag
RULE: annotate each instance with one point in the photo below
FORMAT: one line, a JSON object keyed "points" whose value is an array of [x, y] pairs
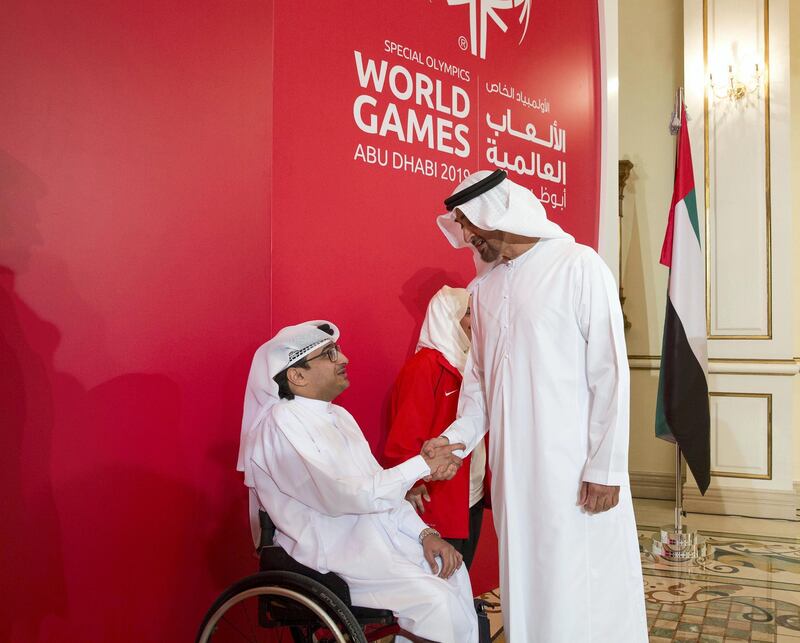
{"points": [[682, 406]]}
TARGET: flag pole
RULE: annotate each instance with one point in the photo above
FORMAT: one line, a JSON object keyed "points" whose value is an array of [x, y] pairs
{"points": [[676, 543], [678, 491]]}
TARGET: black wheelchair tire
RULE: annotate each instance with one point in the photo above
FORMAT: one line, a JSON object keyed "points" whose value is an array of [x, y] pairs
{"points": [[328, 607]]}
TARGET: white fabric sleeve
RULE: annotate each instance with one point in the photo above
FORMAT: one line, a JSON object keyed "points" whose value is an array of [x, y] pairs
{"points": [[409, 521], [601, 324], [471, 423], [299, 471]]}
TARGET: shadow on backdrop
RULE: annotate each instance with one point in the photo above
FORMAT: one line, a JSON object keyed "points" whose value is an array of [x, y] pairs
{"points": [[30, 539], [229, 551], [31, 549]]}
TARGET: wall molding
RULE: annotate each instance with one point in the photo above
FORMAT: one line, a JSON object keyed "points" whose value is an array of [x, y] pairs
{"points": [[730, 37], [714, 406], [762, 503], [738, 501], [651, 484], [726, 365], [797, 498]]}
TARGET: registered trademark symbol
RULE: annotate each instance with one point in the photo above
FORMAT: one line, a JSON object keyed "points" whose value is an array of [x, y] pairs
{"points": [[463, 43]]}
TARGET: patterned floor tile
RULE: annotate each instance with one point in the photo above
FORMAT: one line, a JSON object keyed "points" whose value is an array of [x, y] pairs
{"points": [[746, 589]]}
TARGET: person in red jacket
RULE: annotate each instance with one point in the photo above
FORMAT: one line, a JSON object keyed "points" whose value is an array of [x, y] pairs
{"points": [[423, 403]]}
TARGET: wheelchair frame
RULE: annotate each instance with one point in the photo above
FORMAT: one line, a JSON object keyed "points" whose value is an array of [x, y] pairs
{"points": [[302, 599]]}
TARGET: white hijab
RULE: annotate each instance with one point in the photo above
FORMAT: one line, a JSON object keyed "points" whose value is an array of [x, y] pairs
{"points": [[508, 207], [441, 329], [288, 346]]}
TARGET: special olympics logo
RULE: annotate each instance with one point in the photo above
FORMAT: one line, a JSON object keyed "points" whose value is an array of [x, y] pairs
{"points": [[479, 13]]}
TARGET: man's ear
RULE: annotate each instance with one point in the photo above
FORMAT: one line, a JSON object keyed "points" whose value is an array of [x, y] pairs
{"points": [[296, 377]]}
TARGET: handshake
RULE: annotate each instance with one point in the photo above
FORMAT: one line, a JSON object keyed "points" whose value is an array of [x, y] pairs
{"points": [[438, 455]]}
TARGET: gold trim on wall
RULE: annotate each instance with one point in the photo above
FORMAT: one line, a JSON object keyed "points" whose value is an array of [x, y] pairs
{"points": [[749, 360], [767, 195], [744, 360], [751, 476], [722, 366]]}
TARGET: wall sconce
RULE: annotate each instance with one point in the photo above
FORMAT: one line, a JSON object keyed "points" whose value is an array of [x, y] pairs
{"points": [[735, 89]]}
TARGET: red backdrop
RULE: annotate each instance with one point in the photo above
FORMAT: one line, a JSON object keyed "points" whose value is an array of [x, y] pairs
{"points": [[355, 241], [157, 223]]}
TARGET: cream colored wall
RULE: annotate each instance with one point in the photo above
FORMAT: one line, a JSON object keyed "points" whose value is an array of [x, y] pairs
{"points": [[651, 55], [794, 35], [651, 70]]}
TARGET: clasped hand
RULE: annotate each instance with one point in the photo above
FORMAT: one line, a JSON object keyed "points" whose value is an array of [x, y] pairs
{"points": [[438, 455]]}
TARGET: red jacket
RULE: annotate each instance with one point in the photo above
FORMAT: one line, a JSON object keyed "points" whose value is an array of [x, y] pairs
{"points": [[423, 403]]}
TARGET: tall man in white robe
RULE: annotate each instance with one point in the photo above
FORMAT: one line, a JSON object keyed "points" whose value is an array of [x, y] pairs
{"points": [[335, 509], [548, 375]]}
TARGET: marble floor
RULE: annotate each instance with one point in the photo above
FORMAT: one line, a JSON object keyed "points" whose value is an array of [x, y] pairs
{"points": [[746, 589]]}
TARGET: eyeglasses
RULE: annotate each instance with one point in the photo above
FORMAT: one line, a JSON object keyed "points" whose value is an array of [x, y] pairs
{"points": [[331, 353]]}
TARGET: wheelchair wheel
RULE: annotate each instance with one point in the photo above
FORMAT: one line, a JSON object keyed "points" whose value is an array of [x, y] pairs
{"points": [[273, 607]]}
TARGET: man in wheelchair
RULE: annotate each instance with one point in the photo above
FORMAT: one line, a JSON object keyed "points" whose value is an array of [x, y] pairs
{"points": [[308, 465]]}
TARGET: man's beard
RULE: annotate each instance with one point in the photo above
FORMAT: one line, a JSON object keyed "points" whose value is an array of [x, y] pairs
{"points": [[488, 254]]}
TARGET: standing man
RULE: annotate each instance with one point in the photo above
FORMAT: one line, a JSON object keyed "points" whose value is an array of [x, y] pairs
{"points": [[548, 372]]}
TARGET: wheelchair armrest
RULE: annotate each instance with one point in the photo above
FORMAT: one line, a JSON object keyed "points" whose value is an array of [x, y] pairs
{"points": [[267, 529]]}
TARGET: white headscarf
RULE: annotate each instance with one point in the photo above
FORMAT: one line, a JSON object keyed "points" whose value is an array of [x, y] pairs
{"points": [[507, 206], [441, 329], [288, 346]]}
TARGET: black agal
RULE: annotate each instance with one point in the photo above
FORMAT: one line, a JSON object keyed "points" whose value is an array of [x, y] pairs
{"points": [[469, 193]]}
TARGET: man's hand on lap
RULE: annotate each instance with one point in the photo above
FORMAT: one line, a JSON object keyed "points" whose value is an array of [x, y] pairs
{"points": [[433, 546]]}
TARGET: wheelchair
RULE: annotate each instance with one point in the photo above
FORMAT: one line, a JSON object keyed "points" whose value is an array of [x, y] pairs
{"points": [[287, 601]]}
